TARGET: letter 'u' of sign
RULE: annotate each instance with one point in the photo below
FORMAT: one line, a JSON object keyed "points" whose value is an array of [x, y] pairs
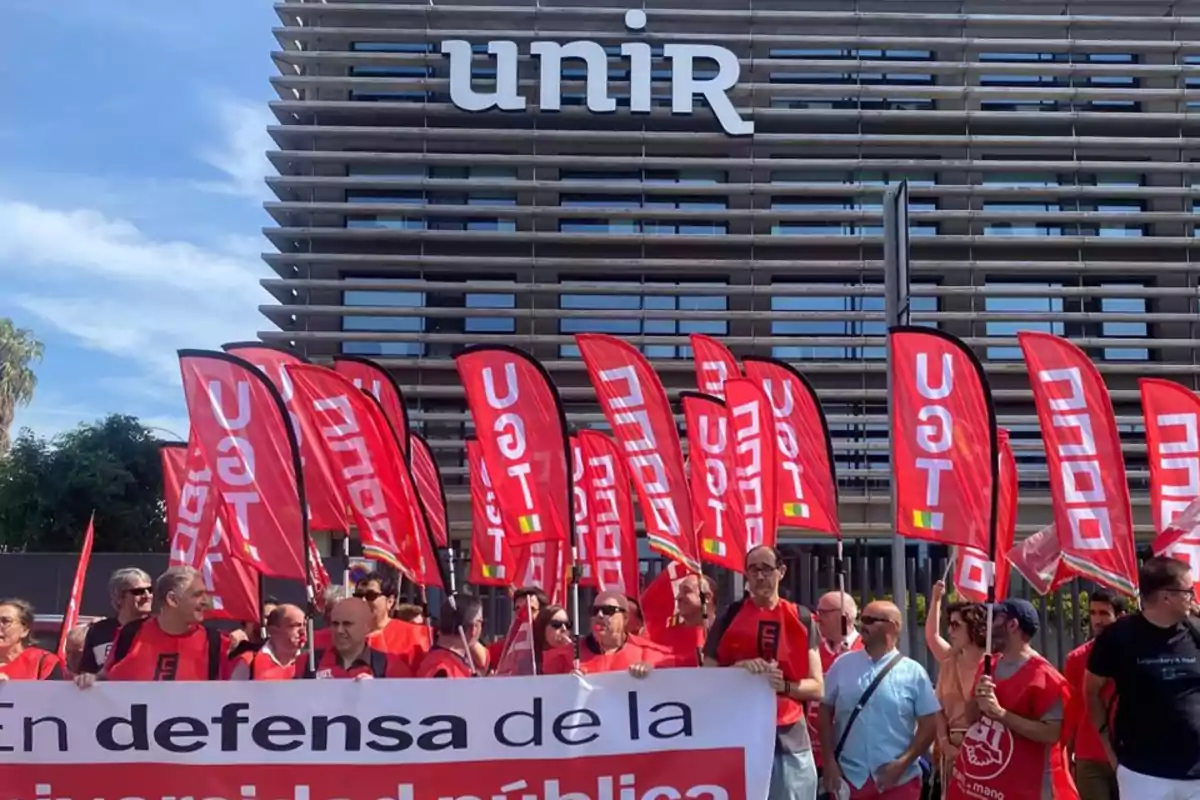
{"points": [[944, 440], [667, 736], [681, 60]]}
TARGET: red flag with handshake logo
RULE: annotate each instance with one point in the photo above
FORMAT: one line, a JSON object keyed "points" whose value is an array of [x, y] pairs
{"points": [[241, 426], [1092, 513], [944, 440], [368, 468], [522, 433], [635, 404]]}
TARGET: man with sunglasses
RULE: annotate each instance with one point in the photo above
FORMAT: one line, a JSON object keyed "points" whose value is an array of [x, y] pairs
{"points": [[1153, 658], [766, 635], [608, 646], [395, 637], [131, 593], [872, 741]]}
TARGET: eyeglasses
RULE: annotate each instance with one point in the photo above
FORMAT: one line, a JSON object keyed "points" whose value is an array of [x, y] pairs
{"points": [[8, 622], [140, 591], [558, 624], [761, 570], [607, 611], [369, 596]]}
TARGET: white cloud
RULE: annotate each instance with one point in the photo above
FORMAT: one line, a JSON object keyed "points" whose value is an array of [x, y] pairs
{"points": [[116, 290], [241, 154]]}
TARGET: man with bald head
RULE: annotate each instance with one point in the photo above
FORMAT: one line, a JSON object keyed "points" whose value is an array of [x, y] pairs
{"points": [[694, 613], [277, 659], [352, 621], [872, 742], [608, 646]]}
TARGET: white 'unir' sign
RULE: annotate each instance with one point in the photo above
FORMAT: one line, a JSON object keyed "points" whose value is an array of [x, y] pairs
{"points": [[685, 86]]}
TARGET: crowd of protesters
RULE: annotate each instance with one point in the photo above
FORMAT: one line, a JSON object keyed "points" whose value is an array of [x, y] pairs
{"points": [[854, 718]]}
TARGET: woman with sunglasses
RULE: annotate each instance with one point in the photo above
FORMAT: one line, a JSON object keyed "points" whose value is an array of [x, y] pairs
{"points": [[551, 630], [19, 659], [608, 646]]}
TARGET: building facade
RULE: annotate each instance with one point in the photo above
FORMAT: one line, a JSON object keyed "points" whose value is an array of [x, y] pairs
{"points": [[452, 173]]}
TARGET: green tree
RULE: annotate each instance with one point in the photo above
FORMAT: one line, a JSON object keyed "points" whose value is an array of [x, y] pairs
{"points": [[49, 489], [18, 351]]}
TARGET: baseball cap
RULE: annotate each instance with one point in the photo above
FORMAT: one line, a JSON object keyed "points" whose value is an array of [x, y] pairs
{"points": [[1020, 610]]}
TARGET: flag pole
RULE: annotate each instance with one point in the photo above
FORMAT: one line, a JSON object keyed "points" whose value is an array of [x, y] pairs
{"points": [[896, 302]]}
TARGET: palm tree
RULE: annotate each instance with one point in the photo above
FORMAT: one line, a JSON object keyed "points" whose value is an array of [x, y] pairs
{"points": [[18, 350]]}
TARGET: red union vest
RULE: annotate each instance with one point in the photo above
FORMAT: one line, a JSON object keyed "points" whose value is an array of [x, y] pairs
{"points": [[994, 764]]}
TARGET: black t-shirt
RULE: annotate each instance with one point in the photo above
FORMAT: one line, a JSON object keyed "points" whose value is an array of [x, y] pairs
{"points": [[97, 643], [1157, 676]]}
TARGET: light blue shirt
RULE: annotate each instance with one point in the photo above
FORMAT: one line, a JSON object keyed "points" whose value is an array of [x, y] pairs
{"points": [[887, 723]]}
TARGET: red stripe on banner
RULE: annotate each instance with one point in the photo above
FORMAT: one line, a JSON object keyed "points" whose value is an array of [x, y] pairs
{"points": [[367, 375], [943, 440], [610, 513], [805, 486], [1092, 513], [704, 774], [714, 365], [199, 539], [369, 470], [492, 561], [240, 424], [752, 424], [636, 406], [717, 508], [522, 434], [325, 511]]}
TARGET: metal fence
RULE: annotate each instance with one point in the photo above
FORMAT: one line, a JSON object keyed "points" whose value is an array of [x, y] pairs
{"points": [[45, 580]]}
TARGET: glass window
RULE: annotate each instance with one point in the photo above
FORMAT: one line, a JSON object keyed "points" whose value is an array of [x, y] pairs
{"points": [[829, 304], [646, 323], [1019, 303], [405, 299]]}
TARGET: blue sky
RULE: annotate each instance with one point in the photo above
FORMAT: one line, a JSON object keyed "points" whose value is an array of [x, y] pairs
{"points": [[131, 166]]}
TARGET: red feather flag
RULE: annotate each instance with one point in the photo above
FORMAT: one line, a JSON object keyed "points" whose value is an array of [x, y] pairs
{"points": [[430, 490], [371, 377], [610, 514], [636, 406], [583, 513], [717, 508], [522, 434], [242, 429], [492, 561], [1092, 512], [325, 513], [944, 440], [71, 617], [752, 424], [805, 485], [974, 567], [1172, 415], [198, 537], [369, 470], [714, 365]]}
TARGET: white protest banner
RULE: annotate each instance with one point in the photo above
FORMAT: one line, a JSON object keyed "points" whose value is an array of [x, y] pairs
{"points": [[699, 734]]}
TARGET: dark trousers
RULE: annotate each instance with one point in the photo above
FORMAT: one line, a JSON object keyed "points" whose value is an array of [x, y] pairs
{"points": [[1096, 780]]}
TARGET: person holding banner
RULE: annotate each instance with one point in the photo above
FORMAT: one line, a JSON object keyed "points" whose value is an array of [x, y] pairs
{"points": [[171, 645], [609, 647], [766, 635], [19, 659], [460, 625], [130, 590], [392, 636], [695, 610], [837, 622], [1094, 775], [1153, 658], [878, 716], [1012, 748], [278, 657], [352, 656], [551, 630]]}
